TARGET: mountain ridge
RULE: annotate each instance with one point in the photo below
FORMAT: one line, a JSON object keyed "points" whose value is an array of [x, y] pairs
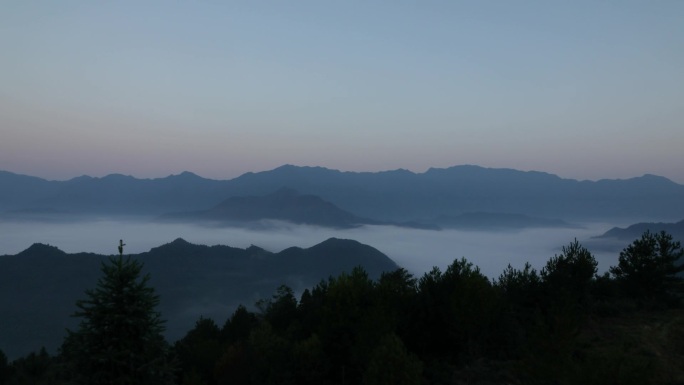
{"points": [[635, 230], [40, 285], [287, 167], [395, 195]]}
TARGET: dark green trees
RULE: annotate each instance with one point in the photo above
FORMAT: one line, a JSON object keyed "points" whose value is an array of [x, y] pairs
{"points": [[119, 339], [4, 367], [198, 351], [649, 267], [521, 288], [34, 368], [454, 314], [569, 276], [392, 364]]}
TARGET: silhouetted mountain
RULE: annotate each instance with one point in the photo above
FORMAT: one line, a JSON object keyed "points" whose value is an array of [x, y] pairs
{"points": [[21, 191], [40, 285], [41, 250], [390, 196], [401, 195], [339, 254], [636, 230], [497, 221], [284, 204], [113, 194]]}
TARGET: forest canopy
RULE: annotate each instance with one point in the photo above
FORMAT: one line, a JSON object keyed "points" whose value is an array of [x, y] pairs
{"points": [[562, 324]]}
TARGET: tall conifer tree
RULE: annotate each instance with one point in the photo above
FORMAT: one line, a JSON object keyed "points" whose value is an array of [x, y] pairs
{"points": [[119, 340]]}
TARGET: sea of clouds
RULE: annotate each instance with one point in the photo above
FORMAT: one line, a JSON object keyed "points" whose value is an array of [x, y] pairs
{"points": [[416, 250]]}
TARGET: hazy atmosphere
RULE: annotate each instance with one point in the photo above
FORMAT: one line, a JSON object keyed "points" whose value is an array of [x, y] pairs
{"points": [[416, 250], [351, 192], [582, 89]]}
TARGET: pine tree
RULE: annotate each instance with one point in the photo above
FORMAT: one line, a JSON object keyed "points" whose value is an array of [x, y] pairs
{"points": [[119, 340], [651, 267], [568, 277]]}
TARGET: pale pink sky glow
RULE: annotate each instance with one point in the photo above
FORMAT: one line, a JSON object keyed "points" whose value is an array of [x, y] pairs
{"points": [[584, 90]]}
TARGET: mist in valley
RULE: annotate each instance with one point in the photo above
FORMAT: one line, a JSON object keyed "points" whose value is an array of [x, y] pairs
{"points": [[416, 250]]}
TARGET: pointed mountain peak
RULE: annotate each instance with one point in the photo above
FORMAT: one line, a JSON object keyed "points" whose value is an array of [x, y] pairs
{"points": [[41, 249], [401, 171], [180, 241], [256, 251], [337, 243], [174, 246], [186, 175], [286, 167]]}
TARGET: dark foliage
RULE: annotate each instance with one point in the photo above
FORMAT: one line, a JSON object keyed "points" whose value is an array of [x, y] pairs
{"points": [[183, 274], [34, 368], [119, 339], [650, 268], [4, 368], [567, 278], [452, 327], [199, 350]]}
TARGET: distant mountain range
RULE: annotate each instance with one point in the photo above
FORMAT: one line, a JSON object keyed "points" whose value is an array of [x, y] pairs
{"points": [[391, 196], [40, 285], [635, 231]]}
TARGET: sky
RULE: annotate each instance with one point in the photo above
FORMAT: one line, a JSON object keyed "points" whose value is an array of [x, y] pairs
{"points": [[581, 89]]}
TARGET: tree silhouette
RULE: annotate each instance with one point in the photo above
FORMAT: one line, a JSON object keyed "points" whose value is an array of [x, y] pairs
{"points": [[392, 364], [4, 367], [568, 276], [119, 339], [649, 267]]}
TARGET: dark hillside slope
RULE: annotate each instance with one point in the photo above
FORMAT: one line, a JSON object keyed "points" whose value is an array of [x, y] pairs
{"points": [[40, 285], [284, 204], [16, 191], [634, 231]]}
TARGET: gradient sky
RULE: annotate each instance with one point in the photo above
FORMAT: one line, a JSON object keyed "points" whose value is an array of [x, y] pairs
{"points": [[582, 89]]}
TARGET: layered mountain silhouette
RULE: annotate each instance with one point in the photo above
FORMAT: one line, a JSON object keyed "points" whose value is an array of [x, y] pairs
{"points": [[113, 194], [284, 205], [40, 285], [636, 230], [392, 196]]}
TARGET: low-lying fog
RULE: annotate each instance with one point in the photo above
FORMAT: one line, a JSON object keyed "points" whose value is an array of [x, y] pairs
{"points": [[416, 250]]}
